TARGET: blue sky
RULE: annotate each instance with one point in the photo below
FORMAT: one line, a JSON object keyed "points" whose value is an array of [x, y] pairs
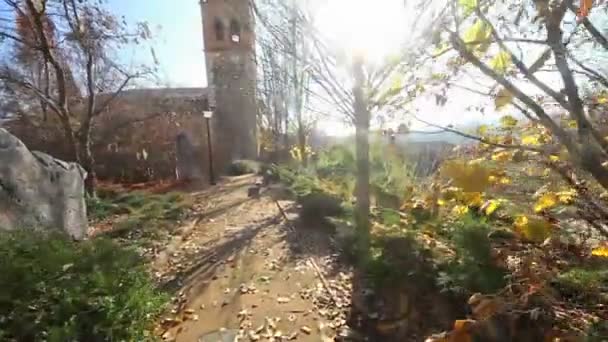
{"points": [[178, 42]]}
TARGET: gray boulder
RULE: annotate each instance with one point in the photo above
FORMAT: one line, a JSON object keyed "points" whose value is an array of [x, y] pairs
{"points": [[38, 191]]}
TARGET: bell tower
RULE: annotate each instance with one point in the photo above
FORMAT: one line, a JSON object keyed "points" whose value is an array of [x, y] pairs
{"points": [[229, 41]]}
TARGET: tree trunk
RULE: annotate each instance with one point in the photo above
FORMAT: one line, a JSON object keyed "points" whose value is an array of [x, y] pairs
{"points": [[88, 164], [362, 117]]}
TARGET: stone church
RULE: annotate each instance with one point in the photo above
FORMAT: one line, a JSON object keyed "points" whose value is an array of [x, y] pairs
{"points": [[150, 133]]}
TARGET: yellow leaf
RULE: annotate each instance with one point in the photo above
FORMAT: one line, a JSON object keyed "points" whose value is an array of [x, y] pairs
{"points": [[490, 207], [472, 199], [530, 140], [602, 100], [501, 62], [600, 251], [482, 130], [503, 98], [468, 6], [468, 177], [440, 202], [566, 196], [521, 221], [533, 228], [460, 210], [502, 156], [477, 36], [546, 201], [554, 158], [508, 121]]}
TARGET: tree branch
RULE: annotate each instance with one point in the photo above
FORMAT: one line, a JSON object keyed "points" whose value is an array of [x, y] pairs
{"points": [[481, 139]]}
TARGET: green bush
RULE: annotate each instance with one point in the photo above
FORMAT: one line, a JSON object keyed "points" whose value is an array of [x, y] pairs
{"points": [[472, 270], [584, 283], [57, 290], [394, 259]]}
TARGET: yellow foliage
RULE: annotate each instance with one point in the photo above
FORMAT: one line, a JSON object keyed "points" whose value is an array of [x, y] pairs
{"points": [[546, 201], [566, 196], [508, 121], [478, 35], [503, 98], [501, 62], [521, 221], [600, 251], [572, 124], [533, 228], [490, 207], [460, 210], [530, 139], [554, 158], [468, 177], [482, 130], [503, 156], [472, 199]]}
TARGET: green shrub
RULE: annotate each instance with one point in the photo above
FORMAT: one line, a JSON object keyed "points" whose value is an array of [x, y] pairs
{"points": [[397, 258], [57, 290], [472, 270], [588, 282]]}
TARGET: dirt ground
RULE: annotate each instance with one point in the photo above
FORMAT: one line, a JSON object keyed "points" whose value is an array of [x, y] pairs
{"points": [[239, 268]]}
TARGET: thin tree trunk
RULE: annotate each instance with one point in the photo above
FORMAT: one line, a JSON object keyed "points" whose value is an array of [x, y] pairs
{"points": [[88, 163], [362, 118]]}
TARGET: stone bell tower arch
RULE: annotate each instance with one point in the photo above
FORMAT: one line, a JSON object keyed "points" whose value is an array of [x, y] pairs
{"points": [[229, 40]]}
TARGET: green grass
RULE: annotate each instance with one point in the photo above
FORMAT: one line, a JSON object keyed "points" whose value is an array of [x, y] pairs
{"points": [[140, 216], [58, 290], [584, 282]]}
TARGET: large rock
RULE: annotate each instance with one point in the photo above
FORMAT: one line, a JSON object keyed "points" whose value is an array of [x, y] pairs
{"points": [[38, 191]]}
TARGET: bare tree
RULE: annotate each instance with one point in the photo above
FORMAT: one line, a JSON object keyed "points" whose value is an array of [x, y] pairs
{"points": [[74, 44], [347, 86], [284, 78]]}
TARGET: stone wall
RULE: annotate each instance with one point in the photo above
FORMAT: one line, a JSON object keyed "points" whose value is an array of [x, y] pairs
{"points": [[135, 140]]}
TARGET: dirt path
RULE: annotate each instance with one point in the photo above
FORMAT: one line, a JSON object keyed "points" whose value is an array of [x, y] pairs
{"points": [[239, 269]]}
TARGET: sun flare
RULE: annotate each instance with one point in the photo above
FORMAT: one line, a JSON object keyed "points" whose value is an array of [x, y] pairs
{"points": [[374, 28]]}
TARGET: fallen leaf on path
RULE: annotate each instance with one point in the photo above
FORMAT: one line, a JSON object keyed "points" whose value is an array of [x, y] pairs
{"points": [[253, 336], [283, 300], [305, 329]]}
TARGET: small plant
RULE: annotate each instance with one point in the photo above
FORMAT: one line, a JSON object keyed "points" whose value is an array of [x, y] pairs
{"points": [[581, 282], [57, 290], [394, 259], [472, 270]]}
